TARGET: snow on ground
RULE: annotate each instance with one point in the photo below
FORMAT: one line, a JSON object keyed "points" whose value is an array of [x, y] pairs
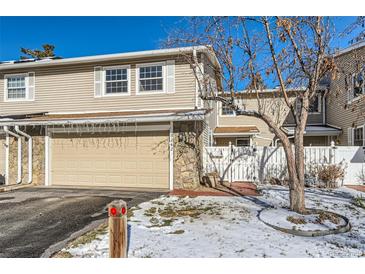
{"points": [[229, 227]]}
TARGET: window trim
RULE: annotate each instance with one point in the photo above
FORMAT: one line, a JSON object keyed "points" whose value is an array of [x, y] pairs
{"points": [[244, 138], [354, 134], [103, 81], [319, 96], [354, 99], [225, 115], [11, 100], [164, 78]]}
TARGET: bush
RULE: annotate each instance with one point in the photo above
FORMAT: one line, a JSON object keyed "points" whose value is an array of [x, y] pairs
{"points": [[329, 175], [361, 177]]}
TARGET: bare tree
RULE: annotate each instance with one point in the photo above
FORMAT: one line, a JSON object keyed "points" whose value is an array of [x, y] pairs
{"points": [[288, 52]]}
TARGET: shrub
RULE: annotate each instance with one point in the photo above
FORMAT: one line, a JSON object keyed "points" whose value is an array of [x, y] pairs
{"points": [[329, 174], [361, 176]]}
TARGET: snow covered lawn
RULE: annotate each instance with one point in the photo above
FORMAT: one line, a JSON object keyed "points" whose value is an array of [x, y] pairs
{"points": [[229, 227]]}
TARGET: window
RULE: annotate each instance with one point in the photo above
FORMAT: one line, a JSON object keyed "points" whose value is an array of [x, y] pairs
{"points": [[358, 136], [151, 78], [244, 142], [116, 81], [16, 87], [226, 110], [315, 105], [358, 87]]}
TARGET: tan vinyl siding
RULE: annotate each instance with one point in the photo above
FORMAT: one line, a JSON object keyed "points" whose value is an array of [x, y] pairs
{"points": [[313, 119], [70, 88], [249, 121], [339, 112], [270, 104], [213, 105], [316, 141]]}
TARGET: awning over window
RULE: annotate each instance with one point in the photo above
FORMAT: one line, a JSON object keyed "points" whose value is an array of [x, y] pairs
{"points": [[316, 131], [236, 131]]}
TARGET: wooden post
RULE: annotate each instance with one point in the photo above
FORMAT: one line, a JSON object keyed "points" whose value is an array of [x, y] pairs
{"points": [[118, 233]]}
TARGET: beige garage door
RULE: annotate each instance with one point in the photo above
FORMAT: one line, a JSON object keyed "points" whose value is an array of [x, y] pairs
{"points": [[124, 160]]}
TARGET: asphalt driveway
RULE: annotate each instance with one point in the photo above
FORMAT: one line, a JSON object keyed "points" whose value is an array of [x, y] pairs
{"points": [[34, 219]]}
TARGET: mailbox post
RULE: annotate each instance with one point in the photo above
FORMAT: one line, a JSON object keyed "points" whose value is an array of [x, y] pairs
{"points": [[118, 231]]}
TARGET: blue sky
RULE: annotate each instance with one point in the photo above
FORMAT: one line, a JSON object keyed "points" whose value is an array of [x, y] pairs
{"points": [[81, 36]]}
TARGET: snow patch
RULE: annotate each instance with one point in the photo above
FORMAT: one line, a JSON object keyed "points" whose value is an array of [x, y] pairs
{"points": [[229, 227]]}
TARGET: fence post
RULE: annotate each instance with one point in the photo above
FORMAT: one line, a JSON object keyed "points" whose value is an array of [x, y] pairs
{"points": [[332, 153], [230, 163], [118, 232]]}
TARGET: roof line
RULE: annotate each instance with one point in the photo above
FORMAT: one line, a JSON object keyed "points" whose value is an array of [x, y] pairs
{"points": [[108, 57], [350, 48]]}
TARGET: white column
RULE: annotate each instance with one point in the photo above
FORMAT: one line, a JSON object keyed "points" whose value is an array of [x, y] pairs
{"points": [[46, 158], [7, 148], [171, 156], [20, 166]]}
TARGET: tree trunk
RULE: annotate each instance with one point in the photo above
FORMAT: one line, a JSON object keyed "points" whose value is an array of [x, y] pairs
{"points": [[296, 186], [297, 202]]}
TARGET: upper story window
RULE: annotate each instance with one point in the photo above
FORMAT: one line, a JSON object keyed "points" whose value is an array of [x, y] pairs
{"points": [[358, 87], [227, 111], [116, 81], [359, 136], [151, 78], [315, 105], [16, 87], [19, 87]]}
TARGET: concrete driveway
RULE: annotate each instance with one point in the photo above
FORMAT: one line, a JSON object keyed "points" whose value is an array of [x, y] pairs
{"points": [[38, 221]]}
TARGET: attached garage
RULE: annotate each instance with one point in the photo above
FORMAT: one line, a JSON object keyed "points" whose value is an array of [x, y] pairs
{"points": [[130, 159]]}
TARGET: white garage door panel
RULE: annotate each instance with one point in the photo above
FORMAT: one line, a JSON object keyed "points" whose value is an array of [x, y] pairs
{"points": [[120, 161]]}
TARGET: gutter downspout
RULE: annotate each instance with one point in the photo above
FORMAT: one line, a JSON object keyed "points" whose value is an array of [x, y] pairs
{"points": [[30, 153], [276, 140], [8, 132]]}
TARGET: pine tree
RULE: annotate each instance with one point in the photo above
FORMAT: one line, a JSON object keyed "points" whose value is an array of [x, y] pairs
{"points": [[48, 51]]}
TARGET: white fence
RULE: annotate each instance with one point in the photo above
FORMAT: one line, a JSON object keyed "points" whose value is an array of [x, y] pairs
{"points": [[261, 163]]}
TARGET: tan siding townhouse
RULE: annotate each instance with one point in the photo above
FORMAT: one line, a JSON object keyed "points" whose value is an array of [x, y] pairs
{"points": [[346, 103], [121, 120]]}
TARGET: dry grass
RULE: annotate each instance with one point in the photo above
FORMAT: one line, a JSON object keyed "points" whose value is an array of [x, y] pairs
{"points": [[296, 220], [359, 201], [62, 254], [179, 231], [328, 216], [89, 236]]}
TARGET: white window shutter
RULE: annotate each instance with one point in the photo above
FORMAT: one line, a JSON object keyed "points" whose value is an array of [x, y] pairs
{"points": [[31, 85], [170, 76], [98, 80], [350, 136]]}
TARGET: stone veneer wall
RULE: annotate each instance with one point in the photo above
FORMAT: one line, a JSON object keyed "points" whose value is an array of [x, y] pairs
{"points": [[188, 154], [38, 157]]}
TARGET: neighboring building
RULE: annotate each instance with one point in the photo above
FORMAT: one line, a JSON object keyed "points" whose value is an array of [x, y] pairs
{"points": [[337, 114], [247, 131], [346, 101], [122, 120]]}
